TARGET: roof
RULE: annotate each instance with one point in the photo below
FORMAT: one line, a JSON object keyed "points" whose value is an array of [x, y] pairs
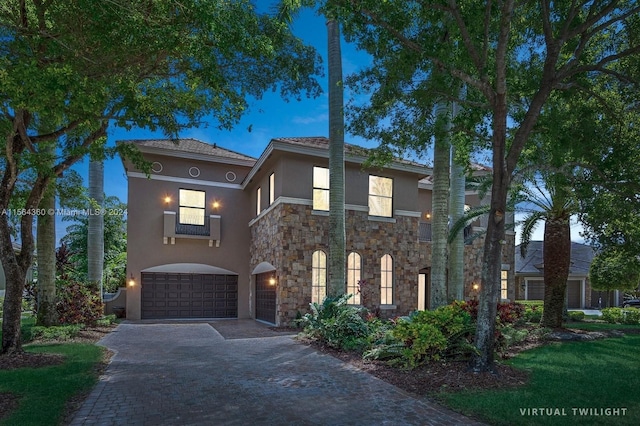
{"points": [[476, 170], [191, 146], [321, 142], [532, 263]]}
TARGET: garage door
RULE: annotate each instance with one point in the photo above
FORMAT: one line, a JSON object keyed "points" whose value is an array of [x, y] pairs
{"points": [[573, 294], [167, 295], [265, 298], [535, 290]]}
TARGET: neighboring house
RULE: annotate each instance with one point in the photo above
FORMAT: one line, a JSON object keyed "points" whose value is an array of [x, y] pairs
{"points": [[217, 234], [530, 277]]}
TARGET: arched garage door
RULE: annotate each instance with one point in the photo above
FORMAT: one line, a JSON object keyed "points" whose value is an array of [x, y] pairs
{"points": [[189, 295]]}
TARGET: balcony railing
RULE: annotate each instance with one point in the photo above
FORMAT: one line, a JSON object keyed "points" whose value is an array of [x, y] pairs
{"points": [[173, 229]]}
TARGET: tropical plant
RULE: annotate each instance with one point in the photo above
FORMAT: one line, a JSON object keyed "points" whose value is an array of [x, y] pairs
{"points": [[552, 201]]}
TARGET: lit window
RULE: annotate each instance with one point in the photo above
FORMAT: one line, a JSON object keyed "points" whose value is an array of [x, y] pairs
{"points": [[386, 280], [318, 276], [354, 264], [503, 284], [258, 199], [380, 196], [192, 211], [272, 189], [320, 188]]}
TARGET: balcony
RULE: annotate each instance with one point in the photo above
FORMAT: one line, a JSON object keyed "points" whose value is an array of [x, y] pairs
{"points": [[209, 230]]}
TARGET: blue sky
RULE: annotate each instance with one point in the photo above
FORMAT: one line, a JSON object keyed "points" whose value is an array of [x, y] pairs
{"points": [[269, 117]]}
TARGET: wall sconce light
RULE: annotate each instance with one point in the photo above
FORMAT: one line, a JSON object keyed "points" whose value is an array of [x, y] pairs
{"points": [[272, 280], [476, 286], [167, 199], [216, 205], [132, 281], [427, 215]]}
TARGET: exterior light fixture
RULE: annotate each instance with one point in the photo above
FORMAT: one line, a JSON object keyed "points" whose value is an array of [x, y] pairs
{"points": [[132, 281], [272, 281], [167, 199], [216, 204], [427, 215], [476, 286]]}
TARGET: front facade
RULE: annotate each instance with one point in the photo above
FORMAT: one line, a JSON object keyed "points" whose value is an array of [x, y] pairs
{"points": [[216, 234]]}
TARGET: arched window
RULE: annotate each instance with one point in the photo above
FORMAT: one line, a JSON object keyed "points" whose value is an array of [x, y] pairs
{"points": [[386, 280], [354, 266], [318, 276]]}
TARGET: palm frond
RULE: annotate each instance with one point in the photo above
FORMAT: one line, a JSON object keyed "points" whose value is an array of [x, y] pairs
{"points": [[529, 225]]}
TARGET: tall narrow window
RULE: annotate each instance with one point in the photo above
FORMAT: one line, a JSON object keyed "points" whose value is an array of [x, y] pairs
{"points": [[380, 196], [258, 200], [504, 280], [272, 188], [320, 188], [386, 280], [318, 276], [354, 265], [192, 211]]}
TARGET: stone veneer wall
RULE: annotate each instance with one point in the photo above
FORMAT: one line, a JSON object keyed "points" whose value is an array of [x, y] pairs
{"points": [[288, 234]]}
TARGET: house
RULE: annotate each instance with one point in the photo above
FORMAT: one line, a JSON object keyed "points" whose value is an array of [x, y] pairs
{"points": [[529, 274], [213, 233]]}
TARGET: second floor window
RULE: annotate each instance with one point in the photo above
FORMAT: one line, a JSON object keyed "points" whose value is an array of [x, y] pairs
{"points": [[272, 188], [320, 188], [258, 199], [192, 210], [380, 196]]}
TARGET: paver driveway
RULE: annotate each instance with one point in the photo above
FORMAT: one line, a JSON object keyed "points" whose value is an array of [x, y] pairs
{"points": [[188, 374]]}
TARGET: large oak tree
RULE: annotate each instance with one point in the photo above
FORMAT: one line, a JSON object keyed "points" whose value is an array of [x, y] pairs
{"points": [[511, 56], [71, 69]]}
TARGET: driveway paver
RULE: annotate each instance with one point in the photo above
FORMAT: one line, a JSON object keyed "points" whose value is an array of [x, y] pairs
{"points": [[188, 374]]}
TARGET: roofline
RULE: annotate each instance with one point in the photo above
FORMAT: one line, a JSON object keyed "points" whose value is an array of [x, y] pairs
{"points": [[277, 145], [191, 155]]}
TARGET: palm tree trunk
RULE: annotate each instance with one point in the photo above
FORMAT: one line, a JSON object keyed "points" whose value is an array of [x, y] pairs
{"points": [[46, 249], [557, 260], [95, 236], [440, 208], [456, 210], [337, 234]]}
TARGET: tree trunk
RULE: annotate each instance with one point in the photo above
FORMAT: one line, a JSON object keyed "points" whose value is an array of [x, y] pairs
{"points": [[95, 236], [15, 278], [337, 234], [456, 210], [440, 209], [557, 260], [46, 249]]}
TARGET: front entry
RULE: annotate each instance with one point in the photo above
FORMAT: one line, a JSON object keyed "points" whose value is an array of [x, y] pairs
{"points": [[265, 298]]}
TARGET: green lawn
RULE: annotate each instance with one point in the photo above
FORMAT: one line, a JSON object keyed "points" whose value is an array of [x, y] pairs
{"points": [[44, 391], [596, 375]]}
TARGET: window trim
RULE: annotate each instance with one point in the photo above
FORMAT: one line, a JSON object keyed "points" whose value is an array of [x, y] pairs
{"points": [[370, 195]]}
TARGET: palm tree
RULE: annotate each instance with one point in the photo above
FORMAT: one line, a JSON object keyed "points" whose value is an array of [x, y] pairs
{"points": [[553, 203], [337, 234], [95, 237], [456, 211], [46, 251], [440, 207]]}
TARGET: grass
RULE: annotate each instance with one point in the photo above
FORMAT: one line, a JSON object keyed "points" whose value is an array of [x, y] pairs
{"points": [[44, 391], [597, 375]]}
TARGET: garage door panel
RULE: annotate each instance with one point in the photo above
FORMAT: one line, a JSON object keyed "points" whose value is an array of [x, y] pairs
{"points": [[535, 290], [189, 295]]}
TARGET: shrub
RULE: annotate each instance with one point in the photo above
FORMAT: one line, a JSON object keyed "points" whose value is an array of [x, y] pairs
{"points": [[425, 336], [533, 314], [337, 324], [507, 313], [62, 332], [631, 316], [78, 304], [107, 320], [576, 315], [612, 315], [509, 336]]}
